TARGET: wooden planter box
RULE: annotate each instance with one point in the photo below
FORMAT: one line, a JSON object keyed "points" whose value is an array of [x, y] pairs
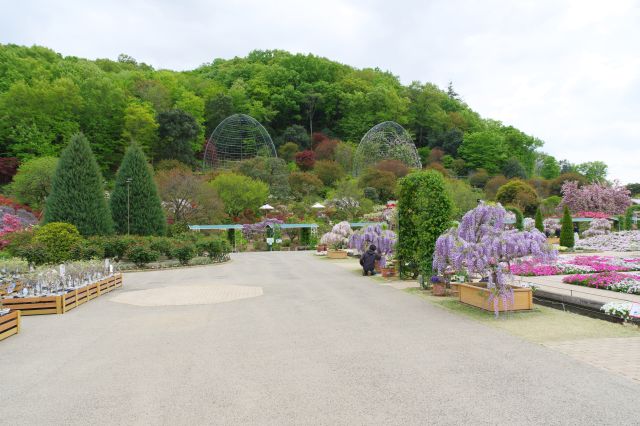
{"points": [[337, 254], [9, 324], [479, 297], [388, 272], [63, 303], [553, 240]]}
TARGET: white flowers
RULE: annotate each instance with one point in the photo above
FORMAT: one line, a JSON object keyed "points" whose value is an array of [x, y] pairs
{"points": [[618, 241], [617, 309]]}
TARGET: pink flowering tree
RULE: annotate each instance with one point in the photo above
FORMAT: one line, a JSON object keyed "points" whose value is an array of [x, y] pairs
{"points": [[481, 245], [10, 223], [596, 197]]}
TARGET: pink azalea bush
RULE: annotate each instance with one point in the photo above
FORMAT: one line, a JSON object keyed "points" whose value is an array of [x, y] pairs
{"points": [[596, 197], [10, 223]]}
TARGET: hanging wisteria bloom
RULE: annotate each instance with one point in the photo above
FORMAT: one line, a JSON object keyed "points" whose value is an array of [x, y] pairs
{"points": [[481, 245], [384, 240], [338, 237]]}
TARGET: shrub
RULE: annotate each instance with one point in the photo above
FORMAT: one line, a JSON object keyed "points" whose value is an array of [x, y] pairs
{"points": [[117, 247], [539, 224], [326, 149], [383, 182], [184, 252], [329, 172], [34, 253], [32, 183], [162, 245], [628, 217], [519, 225], [519, 194], [17, 240], [215, 248], [424, 212], [371, 194], [397, 167], [288, 151], [140, 254], [305, 160], [77, 194], [87, 250], [566, 232], [304, 184], [57, 238]]}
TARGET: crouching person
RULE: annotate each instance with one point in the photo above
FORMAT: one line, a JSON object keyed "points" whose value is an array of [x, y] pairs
{"points": [[368, 261]]}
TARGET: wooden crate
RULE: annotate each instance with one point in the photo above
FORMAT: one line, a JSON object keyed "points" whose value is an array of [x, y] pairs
{"points": [[35, 305], [479, 297], [93, 290], [82, 295], [69, 301], [9, 324]]}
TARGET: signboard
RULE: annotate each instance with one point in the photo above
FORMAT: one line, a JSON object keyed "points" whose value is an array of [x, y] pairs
{"points": [[269, 241], [634, 312]]}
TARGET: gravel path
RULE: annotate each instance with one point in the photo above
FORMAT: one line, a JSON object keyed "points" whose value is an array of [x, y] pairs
{"points": [[321, 345]]}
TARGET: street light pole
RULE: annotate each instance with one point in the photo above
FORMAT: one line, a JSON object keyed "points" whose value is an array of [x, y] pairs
{"points": [[128, 206]]}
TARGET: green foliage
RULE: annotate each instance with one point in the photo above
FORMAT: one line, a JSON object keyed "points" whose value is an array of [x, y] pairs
{"points": [[77, 195], [479, 178], [371, 194], [594, 171], [177, 134], [424, 212], [384, 182], [141, 254], [538, 219], [86, 250], [566, 231], [549, 167], [329, 172], [58, 238], [184, 252], [162, 245], [556, 184], [634, 188], [140, 125], [628, 216], [513, 169], [519, 194], [463, 197], [135, 204], [519, 225], [298, 135], [288, 151], [34, 253], [304, 184], [549, 205], [240, 193], [272, 171], [215, 248], [484, 150], [32, 184], [117, 247]]}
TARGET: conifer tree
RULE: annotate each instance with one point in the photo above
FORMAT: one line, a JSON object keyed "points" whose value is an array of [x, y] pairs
{"points": [[539, 223], [77, 192], [566, 232], [144, 215]]}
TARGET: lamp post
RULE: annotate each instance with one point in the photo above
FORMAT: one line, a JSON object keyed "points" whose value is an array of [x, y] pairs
{"points": [[128, 205]]}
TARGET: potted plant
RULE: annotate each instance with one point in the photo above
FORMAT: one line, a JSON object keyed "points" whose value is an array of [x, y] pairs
{"points": [[438, 286], [389, 268], [481, 245], [337, 240]]}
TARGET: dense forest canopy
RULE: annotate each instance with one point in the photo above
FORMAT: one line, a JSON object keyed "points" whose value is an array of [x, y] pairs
{"points": [[46, 97]]}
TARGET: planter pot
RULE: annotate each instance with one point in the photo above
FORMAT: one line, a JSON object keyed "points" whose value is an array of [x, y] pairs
{"points": [[439, 289], [376, 266], [388, 272], [321, 247], [478, 296], [553, 240], [9, 324], [337, 254]]}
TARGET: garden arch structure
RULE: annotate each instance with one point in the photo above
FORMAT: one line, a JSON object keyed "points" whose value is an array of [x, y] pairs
{"points": [[385, 141], [238, 137]]}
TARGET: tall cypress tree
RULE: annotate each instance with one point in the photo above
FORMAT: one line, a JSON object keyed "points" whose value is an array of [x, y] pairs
{"points": [[566, 232], [539, 222], [145, 215], [77, 193]]}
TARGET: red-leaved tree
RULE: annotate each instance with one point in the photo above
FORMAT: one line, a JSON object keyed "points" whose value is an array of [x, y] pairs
{"points": [[306, 160]]}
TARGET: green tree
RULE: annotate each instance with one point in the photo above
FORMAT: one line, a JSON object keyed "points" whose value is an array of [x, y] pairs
{"points": [[487, 150], [304, 184], [140, 125], [240, 193], [566, 231], [32, 184], [135, 205], [538, 219], [383, 181], [519, 194], [77, 194], [424, 212], [513, 169], [463, 197], [549, 167], [288, 151], [594, 171], [177, 134], [329, 172], [272, 171], [519, 224], [298, 135]]}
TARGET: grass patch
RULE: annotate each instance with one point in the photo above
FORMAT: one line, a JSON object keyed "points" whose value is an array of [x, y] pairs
{"points": [[542, 324]]}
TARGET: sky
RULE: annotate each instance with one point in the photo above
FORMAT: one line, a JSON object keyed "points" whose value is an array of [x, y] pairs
{"points": [[567, 72]]}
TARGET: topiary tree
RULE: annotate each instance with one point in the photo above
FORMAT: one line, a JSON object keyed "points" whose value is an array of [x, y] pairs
{"points": [[135, 205], [566, 232], [520, 194], [628, 216], [77, 194], [539, 223], [424, 212], [58, 239], [519, 217]]}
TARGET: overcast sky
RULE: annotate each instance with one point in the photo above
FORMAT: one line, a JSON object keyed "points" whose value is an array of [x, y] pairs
{"points": [[567, 72]]}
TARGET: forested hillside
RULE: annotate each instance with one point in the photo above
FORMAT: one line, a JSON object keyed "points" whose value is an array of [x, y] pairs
{"points": [[45, 98]]}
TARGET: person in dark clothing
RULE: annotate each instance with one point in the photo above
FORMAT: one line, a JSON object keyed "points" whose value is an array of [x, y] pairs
{"points": [[368, 261]]}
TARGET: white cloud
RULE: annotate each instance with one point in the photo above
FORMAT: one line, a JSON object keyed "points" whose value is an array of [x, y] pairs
{"points": [[567, 72]]}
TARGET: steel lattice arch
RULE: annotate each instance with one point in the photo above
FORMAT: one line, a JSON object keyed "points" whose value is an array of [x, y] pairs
{"points": [[238, 137], [385, 141]]}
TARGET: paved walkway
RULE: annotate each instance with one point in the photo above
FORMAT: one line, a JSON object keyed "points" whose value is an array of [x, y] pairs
{"points": [[321, 345]]}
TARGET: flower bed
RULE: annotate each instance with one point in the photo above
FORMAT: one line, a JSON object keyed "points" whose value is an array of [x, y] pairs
{"points": [[619, 309], [614, 281], [617, 241], [576, 265]]}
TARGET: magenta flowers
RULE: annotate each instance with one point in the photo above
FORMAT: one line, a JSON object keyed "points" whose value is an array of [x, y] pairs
{"points": [[615, 281]]}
